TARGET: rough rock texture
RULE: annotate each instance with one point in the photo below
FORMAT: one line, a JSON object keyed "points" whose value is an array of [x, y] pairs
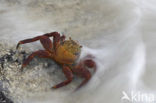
{"points": [[122, 33], [4, 99], [36, 77]]}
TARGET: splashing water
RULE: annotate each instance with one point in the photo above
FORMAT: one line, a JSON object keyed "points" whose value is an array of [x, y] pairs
{"points": [[120, 34]]}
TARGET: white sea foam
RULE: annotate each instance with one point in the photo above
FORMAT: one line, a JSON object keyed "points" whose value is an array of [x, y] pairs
{"points": [[120, 33]]}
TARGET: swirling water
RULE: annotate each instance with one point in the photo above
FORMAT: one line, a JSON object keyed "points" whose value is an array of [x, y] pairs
{"points": [[119, 33]]}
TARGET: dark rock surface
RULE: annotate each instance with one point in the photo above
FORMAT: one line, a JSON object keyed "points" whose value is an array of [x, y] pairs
{"points": [[4, 99], [8, 57]]}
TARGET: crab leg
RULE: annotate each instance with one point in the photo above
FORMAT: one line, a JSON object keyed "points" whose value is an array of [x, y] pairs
{"points": [[69, 75], [46, 42], [40, 53], [87, 78], [83, 72], [56, 38], [27, 41], [90, 63], [56, 35]]}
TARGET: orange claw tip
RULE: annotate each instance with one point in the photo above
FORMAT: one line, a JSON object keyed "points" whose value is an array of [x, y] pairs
{"points": [[54, 87]]}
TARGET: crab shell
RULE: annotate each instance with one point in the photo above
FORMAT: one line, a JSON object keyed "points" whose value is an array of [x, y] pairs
{"points": [[67, 52]]}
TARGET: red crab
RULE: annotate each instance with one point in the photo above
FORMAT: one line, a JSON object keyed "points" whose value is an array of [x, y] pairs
{"points": [[65, 53]]}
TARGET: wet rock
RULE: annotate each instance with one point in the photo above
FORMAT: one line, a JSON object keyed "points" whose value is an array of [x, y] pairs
{"points": [[4, 99], [39, 76]]}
